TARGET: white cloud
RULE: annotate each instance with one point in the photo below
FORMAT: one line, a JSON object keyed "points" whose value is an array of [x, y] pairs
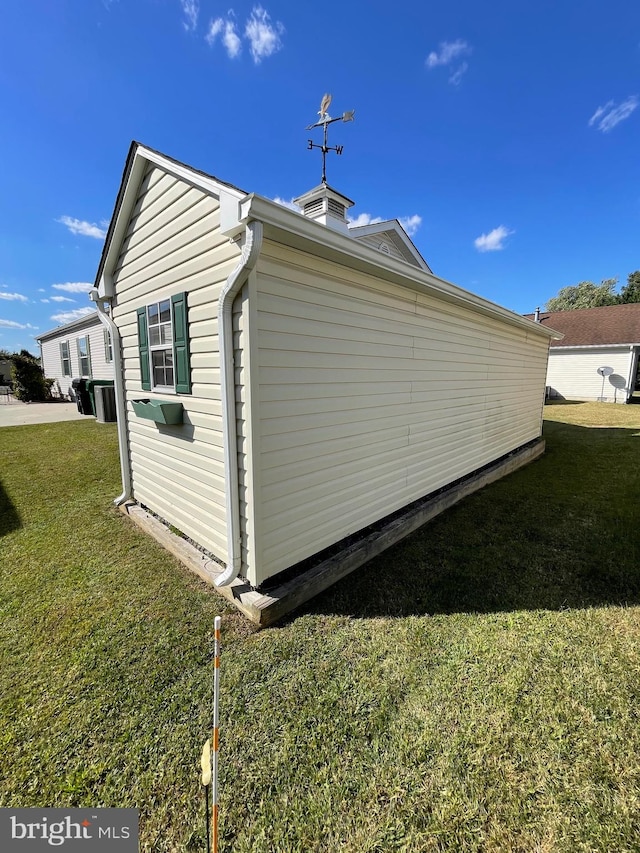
{"points": [[457, 75], [44, 300], [290, 204], [60, 299], [363, 219], [41, 290], [79, 226], [494, 240], [11, 324], [411, 223], [608, 116], [215, 28], [227, 31], [449, 50], [68, 316], [74, 286], [14, 297], [191, 10], [264, 37]]}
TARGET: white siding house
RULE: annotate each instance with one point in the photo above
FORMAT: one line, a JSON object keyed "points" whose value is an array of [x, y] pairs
{"points": [[594, 338], [319, 379], [76, 350]]}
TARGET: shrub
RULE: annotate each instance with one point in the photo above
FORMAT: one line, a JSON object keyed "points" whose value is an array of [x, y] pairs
{"points": [[29, 384]]}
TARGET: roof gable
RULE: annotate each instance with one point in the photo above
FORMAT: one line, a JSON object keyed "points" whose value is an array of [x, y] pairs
{"points": [[391, 238], [138, 160], [608, 325]]}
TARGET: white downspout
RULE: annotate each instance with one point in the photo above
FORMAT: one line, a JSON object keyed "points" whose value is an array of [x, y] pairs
{"points": [[121, 404], [250, 252]]}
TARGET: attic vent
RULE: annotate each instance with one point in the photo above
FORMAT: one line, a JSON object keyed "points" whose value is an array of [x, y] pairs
{"points": [[384, 248], [336, 208], [312, 207]]}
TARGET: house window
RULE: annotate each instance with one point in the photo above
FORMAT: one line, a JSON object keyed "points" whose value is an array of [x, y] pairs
{"points": [[163, 339], [161, 344], [108, 346], [65, 358], [84, 358]]}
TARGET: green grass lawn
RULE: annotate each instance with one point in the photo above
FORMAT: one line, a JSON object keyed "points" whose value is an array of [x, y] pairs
{"points": [[475, 688]]}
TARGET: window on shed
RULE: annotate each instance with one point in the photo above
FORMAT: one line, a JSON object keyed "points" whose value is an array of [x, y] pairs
{"points": [[161, 344], [163, 339], [65, 358], [84, 356], [108, 346]]}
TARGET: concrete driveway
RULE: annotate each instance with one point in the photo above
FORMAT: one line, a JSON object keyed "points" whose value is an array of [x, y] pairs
{"points": [[15, 413]]}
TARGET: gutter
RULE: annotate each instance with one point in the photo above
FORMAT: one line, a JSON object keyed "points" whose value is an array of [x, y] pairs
{"points": [[121, 403], [593, 347], [294, 229], [250, 252]]}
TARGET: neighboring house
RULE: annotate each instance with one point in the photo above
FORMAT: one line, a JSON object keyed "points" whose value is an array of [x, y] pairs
{"points": [[321, 377], [80, 349], [607, 337]]}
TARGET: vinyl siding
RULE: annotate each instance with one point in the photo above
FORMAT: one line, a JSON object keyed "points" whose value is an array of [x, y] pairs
{"points": [[371, 396], [574, 375], [173, 244], [52, 362]]}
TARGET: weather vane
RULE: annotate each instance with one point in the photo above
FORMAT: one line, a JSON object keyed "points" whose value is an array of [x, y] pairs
{"points": [[324, 122]]}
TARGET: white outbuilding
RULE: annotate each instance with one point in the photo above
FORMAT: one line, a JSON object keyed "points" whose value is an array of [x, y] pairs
{"points": [[284, 381]]}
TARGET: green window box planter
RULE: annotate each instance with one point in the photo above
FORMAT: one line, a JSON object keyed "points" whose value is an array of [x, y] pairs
{"points": [[160, 411]]}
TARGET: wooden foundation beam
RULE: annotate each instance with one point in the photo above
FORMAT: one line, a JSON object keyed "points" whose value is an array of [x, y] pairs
{"points": [[266, 608]]}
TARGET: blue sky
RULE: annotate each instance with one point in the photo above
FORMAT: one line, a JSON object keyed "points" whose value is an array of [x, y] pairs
{"points": [[504, 135]]}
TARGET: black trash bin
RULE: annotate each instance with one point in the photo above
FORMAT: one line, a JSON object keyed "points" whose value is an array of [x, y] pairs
{"points": [[83, 400]]}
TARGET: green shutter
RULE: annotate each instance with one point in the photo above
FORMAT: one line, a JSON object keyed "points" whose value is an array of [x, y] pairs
{"points": [[143, 346], [181, 359]]}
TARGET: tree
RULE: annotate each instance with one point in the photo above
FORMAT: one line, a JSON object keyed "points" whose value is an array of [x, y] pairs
{"points": [[586, 294], [631, 291]]}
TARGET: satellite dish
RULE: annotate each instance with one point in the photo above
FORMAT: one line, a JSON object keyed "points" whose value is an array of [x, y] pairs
{"points": [[604, 371]]}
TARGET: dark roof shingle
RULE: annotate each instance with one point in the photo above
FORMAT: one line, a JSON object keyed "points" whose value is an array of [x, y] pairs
{"points": [[611, 324]]}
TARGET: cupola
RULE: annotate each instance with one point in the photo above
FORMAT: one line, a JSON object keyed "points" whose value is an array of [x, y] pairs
{"points": [[325, 205]]}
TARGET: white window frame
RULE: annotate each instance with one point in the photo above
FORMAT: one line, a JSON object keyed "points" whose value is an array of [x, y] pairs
{"points": [[164, 343], [86, 357], [67, 371]]}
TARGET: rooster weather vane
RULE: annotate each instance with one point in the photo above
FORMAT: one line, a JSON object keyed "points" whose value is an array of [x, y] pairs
{"points": [[324, 122]]}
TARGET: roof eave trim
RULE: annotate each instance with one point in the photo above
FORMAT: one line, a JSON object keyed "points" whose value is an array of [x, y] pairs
{"points": [[81, 323], [354, 253], [597, 346]]}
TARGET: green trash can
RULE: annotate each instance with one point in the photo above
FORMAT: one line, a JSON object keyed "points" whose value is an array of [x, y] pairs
{"points": [[91, 384]]}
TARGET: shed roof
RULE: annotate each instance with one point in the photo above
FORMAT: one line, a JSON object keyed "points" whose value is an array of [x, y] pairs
{"points": [[610, 324], [289, 227]]}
